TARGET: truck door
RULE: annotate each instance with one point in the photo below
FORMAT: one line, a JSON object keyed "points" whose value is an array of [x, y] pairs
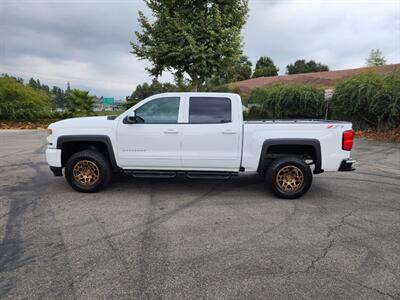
{"points": [[155, 142], [211, 137]]}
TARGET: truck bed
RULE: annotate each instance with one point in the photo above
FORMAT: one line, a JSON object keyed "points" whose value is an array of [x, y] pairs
{"points": [[327, 132]]}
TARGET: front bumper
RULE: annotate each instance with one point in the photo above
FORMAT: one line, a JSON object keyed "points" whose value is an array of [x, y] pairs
{"points": [[53, 157], [57, 171], [347, 165]]}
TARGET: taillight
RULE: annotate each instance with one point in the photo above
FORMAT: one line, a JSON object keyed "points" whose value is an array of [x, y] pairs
{"points": [[348, 138]]}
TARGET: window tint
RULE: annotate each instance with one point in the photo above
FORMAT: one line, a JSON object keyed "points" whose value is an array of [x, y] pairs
{"points": [[209, 110], [161, 110]]}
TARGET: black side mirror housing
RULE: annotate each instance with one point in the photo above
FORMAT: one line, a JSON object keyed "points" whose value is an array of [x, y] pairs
{"points": [[133, 120]]}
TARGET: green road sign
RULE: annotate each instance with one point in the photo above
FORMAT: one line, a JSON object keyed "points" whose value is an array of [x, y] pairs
{"points": [[108, 101]]}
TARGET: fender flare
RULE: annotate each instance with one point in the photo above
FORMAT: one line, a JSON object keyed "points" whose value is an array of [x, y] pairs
{"points": [[91, 138], [293, 141]]}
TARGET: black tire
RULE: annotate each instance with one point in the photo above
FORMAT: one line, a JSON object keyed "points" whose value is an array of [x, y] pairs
{"points": [[296, 169], [99, 168]]}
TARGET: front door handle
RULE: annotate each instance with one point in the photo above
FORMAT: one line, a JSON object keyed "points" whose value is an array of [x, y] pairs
{"points": [[171, 131], [228, 131]]}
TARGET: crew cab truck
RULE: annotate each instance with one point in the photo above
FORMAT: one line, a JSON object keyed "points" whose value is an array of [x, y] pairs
{"points": [[198, 135]]}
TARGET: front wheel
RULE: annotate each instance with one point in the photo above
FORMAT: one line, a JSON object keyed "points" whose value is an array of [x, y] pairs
{"points": [[289, 177], [88, 171]]}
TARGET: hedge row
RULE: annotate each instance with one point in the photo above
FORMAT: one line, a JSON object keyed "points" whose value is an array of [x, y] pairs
{"points": [[287, 102], [368, 100]]}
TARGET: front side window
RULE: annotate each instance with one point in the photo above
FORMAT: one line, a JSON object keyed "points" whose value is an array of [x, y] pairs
{"points": [[209, 110], [160, 111]]}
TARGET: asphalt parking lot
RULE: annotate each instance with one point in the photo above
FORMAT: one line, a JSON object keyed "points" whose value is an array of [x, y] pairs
{"points": [[209, 239]]}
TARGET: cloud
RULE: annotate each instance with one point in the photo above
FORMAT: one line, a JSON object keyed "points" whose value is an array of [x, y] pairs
{"points": [[87, 42], [84, 43], [337, 33]]}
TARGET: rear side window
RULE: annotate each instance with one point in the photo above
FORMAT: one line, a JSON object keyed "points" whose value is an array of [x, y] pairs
{"points": [[209, 110]]}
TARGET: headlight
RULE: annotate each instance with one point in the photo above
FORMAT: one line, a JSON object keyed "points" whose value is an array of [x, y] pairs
{"points": [[49, 131]]}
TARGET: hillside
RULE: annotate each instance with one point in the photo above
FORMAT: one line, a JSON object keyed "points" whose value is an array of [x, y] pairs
{"points": [[324, 79]]}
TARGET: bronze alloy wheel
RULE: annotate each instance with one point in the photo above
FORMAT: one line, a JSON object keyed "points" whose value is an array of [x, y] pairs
{"points": [[86, 172], [290, 179]]}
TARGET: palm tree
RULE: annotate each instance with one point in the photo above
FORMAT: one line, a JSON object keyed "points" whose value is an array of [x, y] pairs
{"points": [[79, 101]]}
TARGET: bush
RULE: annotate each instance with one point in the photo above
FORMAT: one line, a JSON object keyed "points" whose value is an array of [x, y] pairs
{"points": [[288, 101], [368, 100], [20, 102], [255, 113], [60, 115]]}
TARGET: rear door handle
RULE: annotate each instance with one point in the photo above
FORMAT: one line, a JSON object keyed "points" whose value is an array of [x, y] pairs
{"points": [[171, 131], [228, 131]]}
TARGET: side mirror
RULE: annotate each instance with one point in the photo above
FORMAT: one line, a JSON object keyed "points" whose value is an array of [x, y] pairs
{"points": [[132, 119]]}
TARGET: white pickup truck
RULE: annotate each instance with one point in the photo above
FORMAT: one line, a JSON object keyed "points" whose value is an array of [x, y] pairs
{"points": [[198, 135]]}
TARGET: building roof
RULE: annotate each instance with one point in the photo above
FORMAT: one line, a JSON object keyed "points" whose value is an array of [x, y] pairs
{"points": [[323, 79]]}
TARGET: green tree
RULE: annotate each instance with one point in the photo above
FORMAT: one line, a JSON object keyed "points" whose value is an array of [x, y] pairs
{"points": [[302, 66], [79, 102], [265, 67], [142, 91], [199, 39], [145, 90], [182, 84], [22, 102], [375, 58], [240, 70], [19, 79], [58, 96], [35, 84]]}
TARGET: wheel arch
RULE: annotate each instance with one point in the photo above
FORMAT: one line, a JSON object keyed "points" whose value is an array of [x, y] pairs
{"points": [[291, 143], [83, 142]]}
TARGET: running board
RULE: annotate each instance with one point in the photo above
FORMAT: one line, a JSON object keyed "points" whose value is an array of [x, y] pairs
{"points": [[188, 174], [210, 175], [153, 174]]}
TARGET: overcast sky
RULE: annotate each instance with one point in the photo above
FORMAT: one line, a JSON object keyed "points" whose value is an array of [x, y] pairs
{"points": [[87, 42]]}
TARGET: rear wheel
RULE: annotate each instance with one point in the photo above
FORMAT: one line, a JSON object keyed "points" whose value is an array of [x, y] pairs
{"points": [[88, 171], [289, 177]]}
